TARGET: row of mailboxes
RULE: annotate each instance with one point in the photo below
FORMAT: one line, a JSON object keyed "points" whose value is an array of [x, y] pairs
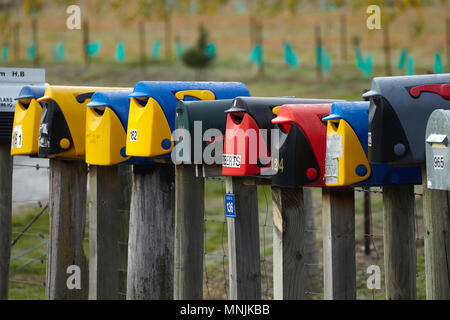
{"points": [[296, 142], [106, 126]]}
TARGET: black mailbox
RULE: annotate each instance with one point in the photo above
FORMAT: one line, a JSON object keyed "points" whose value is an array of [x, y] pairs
{"points": [[398, 115]]}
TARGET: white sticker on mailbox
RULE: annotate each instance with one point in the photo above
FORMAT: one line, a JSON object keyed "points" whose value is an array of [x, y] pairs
{"points": [[334, 151], [231, 161], [17, 137], [133, 135]]}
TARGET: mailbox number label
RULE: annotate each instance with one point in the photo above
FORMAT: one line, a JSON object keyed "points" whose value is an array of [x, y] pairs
{"points": [[17, 137], [133, 135], [439, 163], [230, 209]]}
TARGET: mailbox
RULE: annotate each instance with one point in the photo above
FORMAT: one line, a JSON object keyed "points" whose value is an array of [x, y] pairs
{"points": [[152, 111], [301, 145], [399, 111], [62, 128], [197, 117], [25, 133], [346, 160], [247, 148], [106, 129], [437, 150]]}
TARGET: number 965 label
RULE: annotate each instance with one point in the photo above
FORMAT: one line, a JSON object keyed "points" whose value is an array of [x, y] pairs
{"points": [[439, 163]]}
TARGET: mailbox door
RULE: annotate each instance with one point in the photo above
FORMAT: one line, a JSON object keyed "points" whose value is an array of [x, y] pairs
{"points": [[437, 150], [152, 111], [198, 118], [62, 131], [302, 145], [106, 119], [26, 121], [400, 108]]}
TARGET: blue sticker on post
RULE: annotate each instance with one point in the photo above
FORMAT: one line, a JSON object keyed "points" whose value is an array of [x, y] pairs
{"points": [[230, 209]]}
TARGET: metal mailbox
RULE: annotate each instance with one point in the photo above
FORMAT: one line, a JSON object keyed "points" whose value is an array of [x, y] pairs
{"points": [[346, 161], [437, 150], [152, 111], [301, 145], [197, 117], [62, 130], [399, 111], [106, 129], [25, 133], [247, 148]]}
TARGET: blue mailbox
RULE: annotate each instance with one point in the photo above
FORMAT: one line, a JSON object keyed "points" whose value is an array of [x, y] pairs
{"points": [[347, 151], [153, 108]]}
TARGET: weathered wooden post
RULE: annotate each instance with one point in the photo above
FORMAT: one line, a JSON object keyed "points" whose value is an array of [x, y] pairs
{"points": [[367, 226], [293, 241], [400, 258], [5, 216], [151, 237], [67, 267], [339, 261], [108, 195], [436, 206], [189, 233], [243, 240], [436, 217], [12, 81]]}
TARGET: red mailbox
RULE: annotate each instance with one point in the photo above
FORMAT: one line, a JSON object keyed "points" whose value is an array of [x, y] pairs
{"points": [[301, 146], [248, 136]]}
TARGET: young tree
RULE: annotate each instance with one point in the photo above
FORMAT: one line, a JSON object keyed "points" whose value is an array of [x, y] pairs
{"points": [[197, 57]]}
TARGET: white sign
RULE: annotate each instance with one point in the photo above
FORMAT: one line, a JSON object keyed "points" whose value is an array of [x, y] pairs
{"points": [[12, 80]]}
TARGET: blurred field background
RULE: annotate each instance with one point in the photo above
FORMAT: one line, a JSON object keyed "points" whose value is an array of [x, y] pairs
{"points": [[419, 27]]}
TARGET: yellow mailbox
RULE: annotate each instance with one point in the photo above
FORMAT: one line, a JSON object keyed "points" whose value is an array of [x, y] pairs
{"points": [[27, 117], [62, 128], [152, 111]]}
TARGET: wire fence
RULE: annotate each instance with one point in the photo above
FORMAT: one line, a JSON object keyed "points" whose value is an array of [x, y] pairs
{"points": [[30, 239]]}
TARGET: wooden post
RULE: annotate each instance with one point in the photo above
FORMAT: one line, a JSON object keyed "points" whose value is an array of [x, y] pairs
{"points": [[151, 238], [400, 258], [16, 41], [106, 219], [125, 181], [318, 34], [367, 229], [436, 217], [142, 43], [339, 261], [34, 28], [189, 233], [6, 168], [86, 42], [260, 37], [67, 207], [344, 54], [168, 35], [387, 50], [291, 249], [447, 22], [243, 241]]}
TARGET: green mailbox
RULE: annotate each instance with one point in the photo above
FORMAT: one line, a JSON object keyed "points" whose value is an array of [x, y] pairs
{"points": [[200, 128]]}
